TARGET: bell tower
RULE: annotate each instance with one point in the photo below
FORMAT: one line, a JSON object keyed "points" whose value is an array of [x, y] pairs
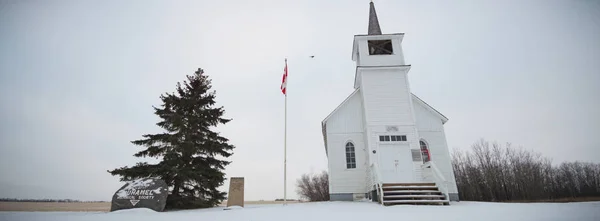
{"points": [[382, 79], [375, 48]]}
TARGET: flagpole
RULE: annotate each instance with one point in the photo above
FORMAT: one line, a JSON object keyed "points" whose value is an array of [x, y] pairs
{"points": [[285, 141]]}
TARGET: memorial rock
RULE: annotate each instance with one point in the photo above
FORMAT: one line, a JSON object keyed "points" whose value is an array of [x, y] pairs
{"points": [[148, 193]]}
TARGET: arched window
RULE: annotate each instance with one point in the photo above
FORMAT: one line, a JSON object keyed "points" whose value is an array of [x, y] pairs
{"points": [[350, 156], [425, 152]]}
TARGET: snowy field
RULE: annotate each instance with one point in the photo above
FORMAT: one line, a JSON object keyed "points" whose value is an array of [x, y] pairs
{"points": [[347, 211]]}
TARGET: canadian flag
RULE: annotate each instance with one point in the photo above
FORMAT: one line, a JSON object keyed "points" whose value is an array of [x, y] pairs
{"points": [[284, 80]]}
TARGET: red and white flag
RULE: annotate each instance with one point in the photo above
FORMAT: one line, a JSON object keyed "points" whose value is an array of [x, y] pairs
{"points": [[284, 80]]}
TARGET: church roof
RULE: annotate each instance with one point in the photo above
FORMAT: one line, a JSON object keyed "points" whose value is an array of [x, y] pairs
{"points": [[374, 28], [431, 109]]}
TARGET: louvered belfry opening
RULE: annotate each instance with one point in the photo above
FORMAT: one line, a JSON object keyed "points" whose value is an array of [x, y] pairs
{"points": [[380, 47]]}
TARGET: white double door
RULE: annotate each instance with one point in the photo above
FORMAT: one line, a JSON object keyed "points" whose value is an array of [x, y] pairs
{"points": [[395, 163]]}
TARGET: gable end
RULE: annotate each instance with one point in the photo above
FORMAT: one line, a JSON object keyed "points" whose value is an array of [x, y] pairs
{"points": [[324, 122], [430, 108]]}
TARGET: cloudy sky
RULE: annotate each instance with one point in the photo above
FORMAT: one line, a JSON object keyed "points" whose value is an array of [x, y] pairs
{"points": [[78, 80]]}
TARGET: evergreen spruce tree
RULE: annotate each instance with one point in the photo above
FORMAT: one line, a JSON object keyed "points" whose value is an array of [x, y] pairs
{"points": [[192, 154]]}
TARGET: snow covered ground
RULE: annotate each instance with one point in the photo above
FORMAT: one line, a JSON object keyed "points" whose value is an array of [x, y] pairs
{"points": [[347, 211]]}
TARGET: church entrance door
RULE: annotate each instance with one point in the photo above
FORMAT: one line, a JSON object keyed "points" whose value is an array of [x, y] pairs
{"points": [[395, 163]]}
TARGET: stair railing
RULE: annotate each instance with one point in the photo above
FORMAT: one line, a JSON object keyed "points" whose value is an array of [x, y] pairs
{"points": [[377, 181], [439, 179], [369, 182]]}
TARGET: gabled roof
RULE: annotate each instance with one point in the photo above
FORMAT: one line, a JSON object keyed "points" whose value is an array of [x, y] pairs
{"points": [[324, 122], [431, 109]]}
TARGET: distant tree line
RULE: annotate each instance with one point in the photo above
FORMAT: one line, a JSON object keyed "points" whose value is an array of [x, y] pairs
{"points": [[492, 172], [46, 200], [287, 200]]}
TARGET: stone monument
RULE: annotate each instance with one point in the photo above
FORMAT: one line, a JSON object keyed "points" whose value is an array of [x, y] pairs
{"points": [[235, 197], [148, 193]]}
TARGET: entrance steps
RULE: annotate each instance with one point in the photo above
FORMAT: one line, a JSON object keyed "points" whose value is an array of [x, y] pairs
{"points": [[413, 194]]}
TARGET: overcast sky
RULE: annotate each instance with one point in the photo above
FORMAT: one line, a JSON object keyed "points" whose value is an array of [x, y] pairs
{"points": [[78, 80]]}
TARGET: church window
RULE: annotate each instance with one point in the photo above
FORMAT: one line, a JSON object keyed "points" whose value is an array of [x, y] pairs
{"points": [[350, 156], [425, 152], [380, 47], [387, 138]]}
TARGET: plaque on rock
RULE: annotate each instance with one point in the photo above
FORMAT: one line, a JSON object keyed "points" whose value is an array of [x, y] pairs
{"points": [[235, 197], [141, 193]]}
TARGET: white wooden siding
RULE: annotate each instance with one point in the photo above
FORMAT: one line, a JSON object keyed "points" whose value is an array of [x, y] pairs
{"points": [[341, 179], [387, 102], [426, 121], [432, 131], [386, 96], [348, 117], [383, 99], [344, 125], [364, 59], [418, 171], [411, 137]]}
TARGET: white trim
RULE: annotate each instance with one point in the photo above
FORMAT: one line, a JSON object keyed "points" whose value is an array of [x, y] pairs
{"points": [[430, 109], [426, 147], [392, 142], [349, 133], [372, 37], [354, 49], [339, 106], [424, 141], [346, 152], [382, 36], [391, 67], [390, 134], [324, 122]]}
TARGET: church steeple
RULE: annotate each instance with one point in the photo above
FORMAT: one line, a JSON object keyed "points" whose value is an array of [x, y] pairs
{"points": [[374, 28], [376, 49]]}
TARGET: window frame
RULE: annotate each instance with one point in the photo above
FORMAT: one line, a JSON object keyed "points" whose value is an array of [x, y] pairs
{"points": [[428, 155], [380, 47], [389, 138], [350, 154]]}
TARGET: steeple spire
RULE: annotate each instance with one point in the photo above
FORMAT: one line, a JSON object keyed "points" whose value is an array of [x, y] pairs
{"points": [[374, 28]]}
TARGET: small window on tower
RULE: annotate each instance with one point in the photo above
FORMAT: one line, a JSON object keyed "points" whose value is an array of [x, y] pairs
{"points": [[378, 47]]}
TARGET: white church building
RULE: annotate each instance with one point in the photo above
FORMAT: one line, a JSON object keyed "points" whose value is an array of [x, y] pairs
{"points": [[383, 142]]}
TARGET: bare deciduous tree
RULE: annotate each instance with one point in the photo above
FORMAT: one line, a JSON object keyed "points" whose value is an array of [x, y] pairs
{"points": [[313, 187], [491, 172]]}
